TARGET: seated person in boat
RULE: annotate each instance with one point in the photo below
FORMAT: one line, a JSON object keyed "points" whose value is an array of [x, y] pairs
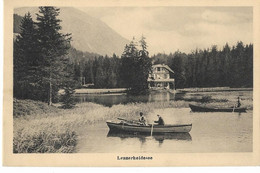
{"points": [[160, 120], [142, 119], [238, 102]]}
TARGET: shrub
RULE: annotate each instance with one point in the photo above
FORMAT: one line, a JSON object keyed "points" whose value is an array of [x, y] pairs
{"points": [[67, 99], [206, 99]]}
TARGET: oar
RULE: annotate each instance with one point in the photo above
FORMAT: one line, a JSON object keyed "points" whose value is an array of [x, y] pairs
{"points": [[131, 121], [152, 130], [122, 119], [233, 109]]}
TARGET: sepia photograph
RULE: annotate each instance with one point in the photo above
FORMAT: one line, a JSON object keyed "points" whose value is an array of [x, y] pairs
{"points": [[131, 81]]}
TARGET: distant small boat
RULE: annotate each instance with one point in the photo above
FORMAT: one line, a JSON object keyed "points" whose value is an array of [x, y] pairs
{"points": [[136, 128], [196, 108]]}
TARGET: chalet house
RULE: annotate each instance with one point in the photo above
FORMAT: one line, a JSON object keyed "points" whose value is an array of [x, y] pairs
{"points": [[159, 78]]}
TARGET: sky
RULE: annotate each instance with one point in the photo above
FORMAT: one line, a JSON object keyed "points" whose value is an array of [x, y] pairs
{"points": [[168, 29]]}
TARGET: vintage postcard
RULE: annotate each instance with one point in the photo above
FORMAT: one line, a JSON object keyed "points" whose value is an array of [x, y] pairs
{"points": [[131, 83]]}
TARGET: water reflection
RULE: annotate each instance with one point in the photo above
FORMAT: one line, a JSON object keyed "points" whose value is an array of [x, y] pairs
{"points": [[158, 137], [113, 99], [211, 132]]}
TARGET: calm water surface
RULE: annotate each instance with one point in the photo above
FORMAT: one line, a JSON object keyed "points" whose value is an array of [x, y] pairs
{"points": [[211, 132], [113, 99]]}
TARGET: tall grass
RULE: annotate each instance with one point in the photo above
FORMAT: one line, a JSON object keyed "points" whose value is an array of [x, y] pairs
{"points": [[55, 130], [46, 138], [220, 99], [28, 107]]}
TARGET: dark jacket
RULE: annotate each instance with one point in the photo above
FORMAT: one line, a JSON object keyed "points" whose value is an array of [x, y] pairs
{"points": [[238, 103], [160, 121]]}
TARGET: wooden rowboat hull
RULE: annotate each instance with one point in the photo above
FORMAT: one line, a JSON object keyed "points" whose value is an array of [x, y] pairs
{"points": [[125, 127], [157, 136], [196, 108]]}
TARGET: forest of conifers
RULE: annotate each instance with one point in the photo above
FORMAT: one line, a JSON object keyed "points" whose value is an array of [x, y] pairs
{"points": [[43, 65], [45, 62], [213, 67]]}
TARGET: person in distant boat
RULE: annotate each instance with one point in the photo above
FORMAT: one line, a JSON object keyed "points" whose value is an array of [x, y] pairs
{"points": [[142, 119], [238, 102], [160, 120]]}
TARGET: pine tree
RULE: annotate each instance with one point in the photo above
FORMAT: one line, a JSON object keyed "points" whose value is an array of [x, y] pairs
{"points": [[54, 46], [100, 77], [67, 99], [177, 64], [144, 65], [26, 60], [69, 86], [225, 75], [127, 70], [248, 77], [135, 67]]}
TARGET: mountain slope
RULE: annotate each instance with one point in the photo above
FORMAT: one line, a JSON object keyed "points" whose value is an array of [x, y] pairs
{"points": [[17, 22], [88, 33]]}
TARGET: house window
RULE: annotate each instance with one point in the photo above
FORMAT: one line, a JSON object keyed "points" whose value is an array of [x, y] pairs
{"points": [[158, 69]]}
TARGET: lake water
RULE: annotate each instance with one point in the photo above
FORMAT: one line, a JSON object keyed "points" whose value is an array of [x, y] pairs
{"points": [[112, 99], [211, 132]]}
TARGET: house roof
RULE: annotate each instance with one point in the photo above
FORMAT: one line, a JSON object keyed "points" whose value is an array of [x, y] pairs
{"points": [[164, 66]]}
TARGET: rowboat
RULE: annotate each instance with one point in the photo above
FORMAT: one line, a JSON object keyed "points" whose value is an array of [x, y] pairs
{"points": [[123, 126], [196, 108]]}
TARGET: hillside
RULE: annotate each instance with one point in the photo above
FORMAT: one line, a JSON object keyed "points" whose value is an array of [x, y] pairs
{"points": [[74, 54], [17, 21], [89, 34]]}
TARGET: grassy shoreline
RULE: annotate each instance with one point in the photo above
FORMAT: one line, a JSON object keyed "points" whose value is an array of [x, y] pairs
{"points": [[123, 90], [39, 128], [98, 91], [56, 129]]}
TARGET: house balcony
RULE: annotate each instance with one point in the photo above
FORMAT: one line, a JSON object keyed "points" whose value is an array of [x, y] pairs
{"points": [[160, 80]]}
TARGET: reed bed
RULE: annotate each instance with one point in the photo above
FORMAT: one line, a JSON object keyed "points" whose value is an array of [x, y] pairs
{"points": [[55, 130], [220, 99], [43, 138], [28, 107]]}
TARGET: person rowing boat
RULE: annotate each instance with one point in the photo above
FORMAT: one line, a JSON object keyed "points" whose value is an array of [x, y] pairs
{"points": [[142, 119], [160, 120], [238, 103]]}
